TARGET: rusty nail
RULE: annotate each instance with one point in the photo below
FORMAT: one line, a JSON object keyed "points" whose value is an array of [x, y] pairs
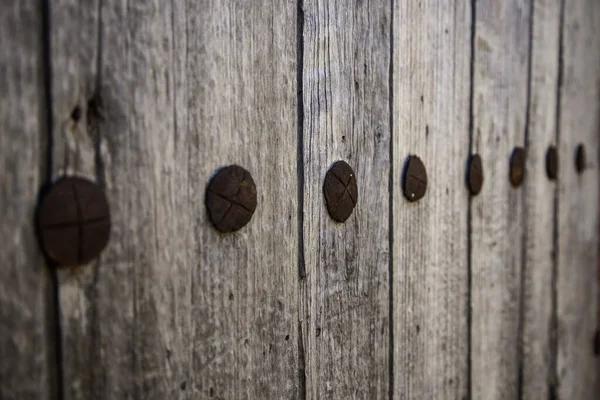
{"points": [[414, 179], [552, 163], [580, 158], [231, 198], [475, 175], [74, 221], [340, 190], [517, 166]]}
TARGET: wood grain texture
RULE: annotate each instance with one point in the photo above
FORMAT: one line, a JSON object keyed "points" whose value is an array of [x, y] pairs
{"points": [[431, 120], [170, 92], [539, 265], [578, 369], [27, 363], [344, 296], [500, 81]]}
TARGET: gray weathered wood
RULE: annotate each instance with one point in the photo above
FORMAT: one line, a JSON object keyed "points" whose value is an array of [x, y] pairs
{"points": [[431, 88], [539, 268], [26, 317], [345, 294], [578, 370], [170, 92], [500, 79]]}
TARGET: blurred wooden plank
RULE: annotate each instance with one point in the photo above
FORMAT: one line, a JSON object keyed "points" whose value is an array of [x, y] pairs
{"points": [[539, 268], [28, 366], [345, 294], [432, 51], [577, 286], [500, 81], [169, 93]]}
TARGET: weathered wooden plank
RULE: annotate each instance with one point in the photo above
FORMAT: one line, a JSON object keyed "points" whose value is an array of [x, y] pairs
{"points": [[578, 370], [431, 90], [539, 264], [345, 303], [170, 92], [26, 295], [500, 81]]}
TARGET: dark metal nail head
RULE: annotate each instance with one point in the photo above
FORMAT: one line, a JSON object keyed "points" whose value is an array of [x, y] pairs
{"points": [[552, 163], [340, 190], [414, 179], [517, 166], [580, 159], [74, 221], [231, 198], [475, 175]]}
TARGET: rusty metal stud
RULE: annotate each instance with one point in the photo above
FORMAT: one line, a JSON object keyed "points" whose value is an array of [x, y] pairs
{"points": [[517, 166], [475, 175], [74, 221], [580, 159], [414, 179], [231, 198], [340, 190], [552, 163]]}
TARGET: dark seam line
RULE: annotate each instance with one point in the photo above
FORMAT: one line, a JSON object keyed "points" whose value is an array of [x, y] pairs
{"points": [[300, 200], [469, 209], [418, 179], [300, 133], [341, 180], [346, 190], [391, 210], [226, 212], [346, 186], [69, 224], [553, 378], [56, 379], [231, 201], [524, 237], [79, 225], [95, 105]]}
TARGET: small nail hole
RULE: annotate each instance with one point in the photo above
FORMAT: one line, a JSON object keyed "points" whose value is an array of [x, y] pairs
{"points": [[76, 114]]}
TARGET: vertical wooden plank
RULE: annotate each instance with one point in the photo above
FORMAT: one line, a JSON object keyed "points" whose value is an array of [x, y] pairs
{"points": [[500, 82], [431, 89], [540, 206], [345, 303], [170, 92], [26, 327], [241, 85], [576, 287]]}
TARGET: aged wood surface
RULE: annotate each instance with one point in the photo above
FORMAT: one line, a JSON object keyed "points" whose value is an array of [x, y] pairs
{"points": [[539, 264], [170, 92], [431, 88], [500, 78], [578, 370], [459, 297], [26, 295], [345, 293]]}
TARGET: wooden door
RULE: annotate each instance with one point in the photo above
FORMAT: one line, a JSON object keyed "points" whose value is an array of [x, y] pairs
{"points": [[454, 296]]}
